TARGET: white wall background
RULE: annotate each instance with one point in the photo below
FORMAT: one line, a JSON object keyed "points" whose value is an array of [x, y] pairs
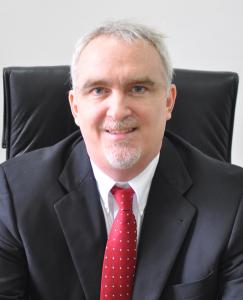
{"points": [[204, 34]]}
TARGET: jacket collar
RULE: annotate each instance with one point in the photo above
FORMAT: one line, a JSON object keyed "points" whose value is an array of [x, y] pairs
{"points": [[76, 168]]}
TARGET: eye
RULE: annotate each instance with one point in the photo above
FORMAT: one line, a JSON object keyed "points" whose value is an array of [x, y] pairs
{"points": [[138, 89], [99, 91]]}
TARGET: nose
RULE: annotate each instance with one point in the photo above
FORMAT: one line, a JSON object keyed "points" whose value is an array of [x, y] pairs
{"points": [[118, 106]]}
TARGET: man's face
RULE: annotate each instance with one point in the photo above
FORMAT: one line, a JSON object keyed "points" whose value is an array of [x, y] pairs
{"points": [[121, 104]]}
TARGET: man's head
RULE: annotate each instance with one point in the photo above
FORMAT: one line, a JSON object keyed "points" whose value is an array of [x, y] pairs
{"points": [[122, 96]]}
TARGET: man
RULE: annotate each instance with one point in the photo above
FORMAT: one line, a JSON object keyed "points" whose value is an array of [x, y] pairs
{"points": [[61, 219]]}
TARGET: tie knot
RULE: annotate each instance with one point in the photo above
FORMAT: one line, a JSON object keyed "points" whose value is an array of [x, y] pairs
{"points": [[123, 197]]}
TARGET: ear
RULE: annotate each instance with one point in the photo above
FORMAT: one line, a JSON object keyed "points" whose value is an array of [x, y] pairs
{"points": [[170, 101], [73, 105]]}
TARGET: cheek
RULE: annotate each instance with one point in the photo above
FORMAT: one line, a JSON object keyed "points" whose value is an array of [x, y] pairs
{"points": [[157, 121], [90, 118], [156, 116]]}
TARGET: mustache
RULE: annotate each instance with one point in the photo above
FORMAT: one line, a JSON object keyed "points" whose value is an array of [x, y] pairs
{"points": [[127, 123]]}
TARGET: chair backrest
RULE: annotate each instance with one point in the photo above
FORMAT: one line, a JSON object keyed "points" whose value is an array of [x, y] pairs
{"points": [[37, 113]]}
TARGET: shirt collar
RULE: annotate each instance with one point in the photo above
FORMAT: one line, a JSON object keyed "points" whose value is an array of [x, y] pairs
{"points": [[140, 184], [104, 183]]}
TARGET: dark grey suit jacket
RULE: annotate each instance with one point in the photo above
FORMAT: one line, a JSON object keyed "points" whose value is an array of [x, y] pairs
{"points": [[53, 233]]}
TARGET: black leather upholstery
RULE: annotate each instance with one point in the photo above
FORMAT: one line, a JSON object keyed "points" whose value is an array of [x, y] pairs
{"points": [[204, 110], [36, 108], [37, 113]]}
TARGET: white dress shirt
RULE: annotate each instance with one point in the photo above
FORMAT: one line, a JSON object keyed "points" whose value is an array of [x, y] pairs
{"points": [[140, 184]]}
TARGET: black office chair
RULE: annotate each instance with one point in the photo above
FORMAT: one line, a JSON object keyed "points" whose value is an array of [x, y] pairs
{"points": [[37, 113]]}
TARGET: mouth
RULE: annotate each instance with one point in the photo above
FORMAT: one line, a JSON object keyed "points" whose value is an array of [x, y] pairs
{"points": [[120, 132]]}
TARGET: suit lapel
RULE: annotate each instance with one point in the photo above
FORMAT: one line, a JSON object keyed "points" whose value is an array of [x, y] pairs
{"points": [[167, 218], [82, 221]]}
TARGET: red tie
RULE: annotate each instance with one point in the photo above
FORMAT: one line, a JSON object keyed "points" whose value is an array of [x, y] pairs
{"points": [[120, 254]]}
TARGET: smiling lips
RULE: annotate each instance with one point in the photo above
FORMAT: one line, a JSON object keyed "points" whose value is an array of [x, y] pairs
{"points": [[119, 132], [123, 134]]}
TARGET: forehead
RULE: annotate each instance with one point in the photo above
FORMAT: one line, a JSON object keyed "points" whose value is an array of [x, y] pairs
{"points": [[115, 56]]}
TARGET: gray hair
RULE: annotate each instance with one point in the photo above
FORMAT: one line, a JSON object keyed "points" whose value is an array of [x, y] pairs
{"points": [[128, 32]]}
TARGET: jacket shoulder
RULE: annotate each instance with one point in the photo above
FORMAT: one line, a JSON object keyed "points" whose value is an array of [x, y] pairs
{"points": [[46, 161], [202, 166]]}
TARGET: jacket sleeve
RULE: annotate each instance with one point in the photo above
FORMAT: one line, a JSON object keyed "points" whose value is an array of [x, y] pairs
{"points": [[231, 270], [13, 266]]}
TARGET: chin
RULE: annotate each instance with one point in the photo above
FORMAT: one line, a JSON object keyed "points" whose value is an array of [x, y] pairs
{"points": [[122, 157]]}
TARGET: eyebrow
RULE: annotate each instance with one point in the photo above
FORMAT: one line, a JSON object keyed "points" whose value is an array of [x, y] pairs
{"points": [[100, 82], [145, 81], [91, 83]]}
